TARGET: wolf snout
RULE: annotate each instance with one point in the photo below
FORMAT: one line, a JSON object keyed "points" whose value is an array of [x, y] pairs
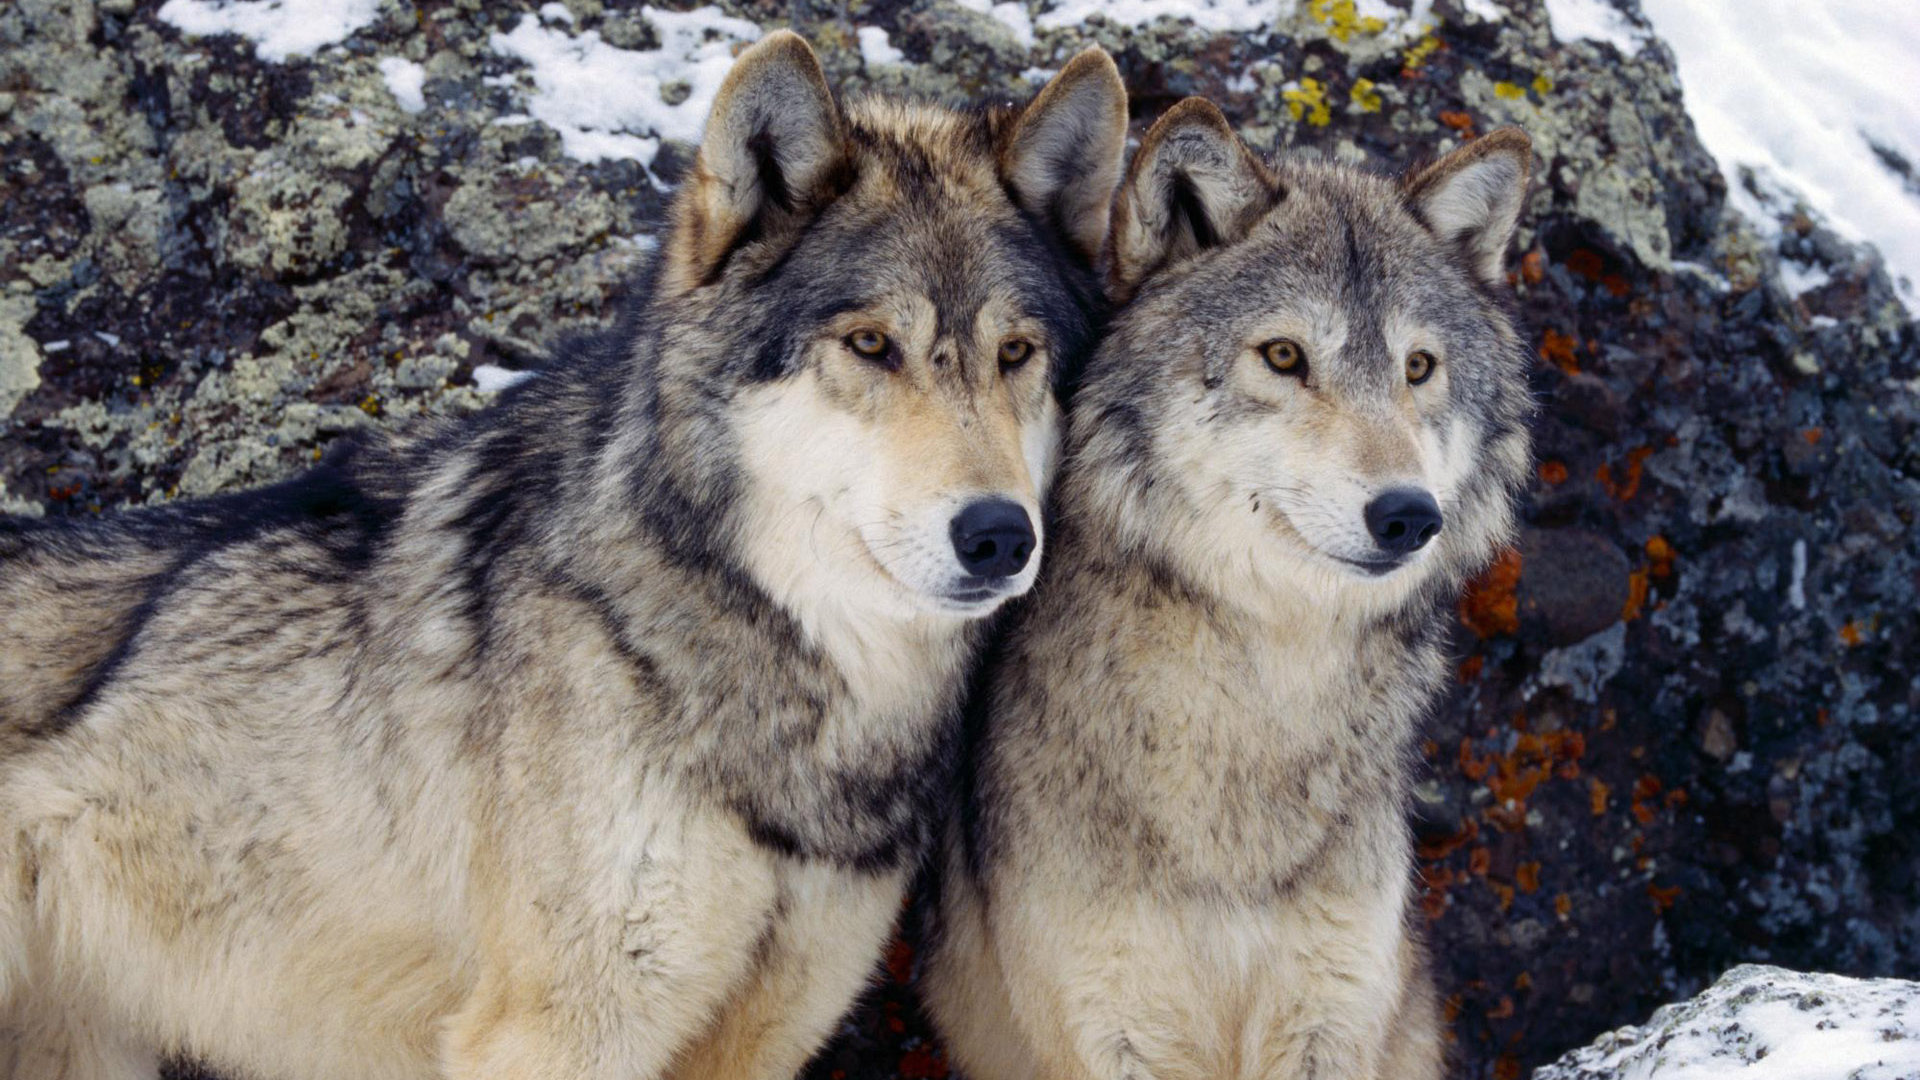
{"points": [[1403, 520], [993, 538]]}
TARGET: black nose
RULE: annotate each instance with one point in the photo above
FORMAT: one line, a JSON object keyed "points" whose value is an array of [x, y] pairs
{"points": [[1403, 520], [993, 537]]}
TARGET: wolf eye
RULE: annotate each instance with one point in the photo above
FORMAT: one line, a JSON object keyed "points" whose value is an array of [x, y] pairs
{"points": [[871, 344], [1285, 357], [1014, 352], [1420, 365]]}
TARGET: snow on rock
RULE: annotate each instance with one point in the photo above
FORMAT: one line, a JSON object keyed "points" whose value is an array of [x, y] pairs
{"points": [[278, 28], [1811, 103], [493, 379], [1218, 16], [1012, 14], [1765, 1023], [607, 102], [876, 49], [406, 81], [1595, 20]]}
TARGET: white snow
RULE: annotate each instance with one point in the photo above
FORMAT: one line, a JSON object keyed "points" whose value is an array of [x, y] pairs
{"points": [[405, 80], [875, 49], [1802, 278], [278, 28], [1012, 14], [1218, 16], [1760, 1023], [1797, 95], [556, 13], [606, 102], [1484, 10], [492, 379], [1597, 20]]}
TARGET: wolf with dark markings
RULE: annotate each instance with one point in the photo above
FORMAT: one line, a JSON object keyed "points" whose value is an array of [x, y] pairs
{"points": [[595, 735], [1184, 852]]}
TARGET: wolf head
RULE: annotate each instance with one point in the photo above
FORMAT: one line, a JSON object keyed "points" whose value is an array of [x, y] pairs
{"points": [[1316, 383], [861, 316]]}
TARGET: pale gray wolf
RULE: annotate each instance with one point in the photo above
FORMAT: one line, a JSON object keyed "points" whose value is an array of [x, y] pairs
{"points": [[1183, 851], [594, 736]]}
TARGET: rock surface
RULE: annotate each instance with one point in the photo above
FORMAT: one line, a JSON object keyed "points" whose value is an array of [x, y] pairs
{"points": [[1764, 1023], [1685, 728]]}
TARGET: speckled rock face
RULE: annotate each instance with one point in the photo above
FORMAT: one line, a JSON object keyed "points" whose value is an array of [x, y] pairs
{"points": [[1765, 1023], [1686, 731]]}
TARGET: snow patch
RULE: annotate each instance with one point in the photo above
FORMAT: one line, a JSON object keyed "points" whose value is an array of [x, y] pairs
{"points": [[607, 102], [278, 28], [1760, 1023], [1484, 10], [1802, 278], [405, 81], [1013, 15], [492, 379], [1217, 16], [1812, 103], [876, 50], [1596, 20], [556, 13]]}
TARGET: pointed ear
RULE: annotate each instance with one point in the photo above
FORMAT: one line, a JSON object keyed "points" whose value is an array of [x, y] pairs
{"points": [[1062, 155], [1472, 197], [1194, 185], [774, 144]]}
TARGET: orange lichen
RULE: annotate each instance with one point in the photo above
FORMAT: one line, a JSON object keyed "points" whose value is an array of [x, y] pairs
{"points": [[1523, 981], [1490, 606], [1479, 861], [1470, 668], [1663, 898], [1597, 795], [1629, 486], [1558, 349], [1660, 557], [1563, 905], [1636, 596], [1812, 435], [1553, 472], [1507, 1068], [1458, 121], [1504, 893], [1527, 876], [1851, 633], [1533, 267]]}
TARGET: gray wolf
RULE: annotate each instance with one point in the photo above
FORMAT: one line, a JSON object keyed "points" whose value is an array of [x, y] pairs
{"points": [[594, 736], [1183, 851]]}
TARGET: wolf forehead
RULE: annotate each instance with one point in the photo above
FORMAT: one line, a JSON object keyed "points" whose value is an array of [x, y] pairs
{"points": [[925, 212], [1353, 239]]}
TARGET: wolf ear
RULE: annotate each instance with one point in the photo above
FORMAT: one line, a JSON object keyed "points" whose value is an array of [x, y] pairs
{"points": [[1472, 197], [1194, 185], [774, 144], [1062, 155]]}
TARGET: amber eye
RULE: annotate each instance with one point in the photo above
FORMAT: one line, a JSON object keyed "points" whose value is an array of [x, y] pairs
{"points": [[1014, 352], [871, 344], [1420, 365], [1285, 357]]}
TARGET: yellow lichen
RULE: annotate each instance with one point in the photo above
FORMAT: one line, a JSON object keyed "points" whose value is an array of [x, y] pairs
{"points": [[1364, 96], [1542, 85], [1420, 51], [1343, 20], [1508, 91], [1309, 103]]}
